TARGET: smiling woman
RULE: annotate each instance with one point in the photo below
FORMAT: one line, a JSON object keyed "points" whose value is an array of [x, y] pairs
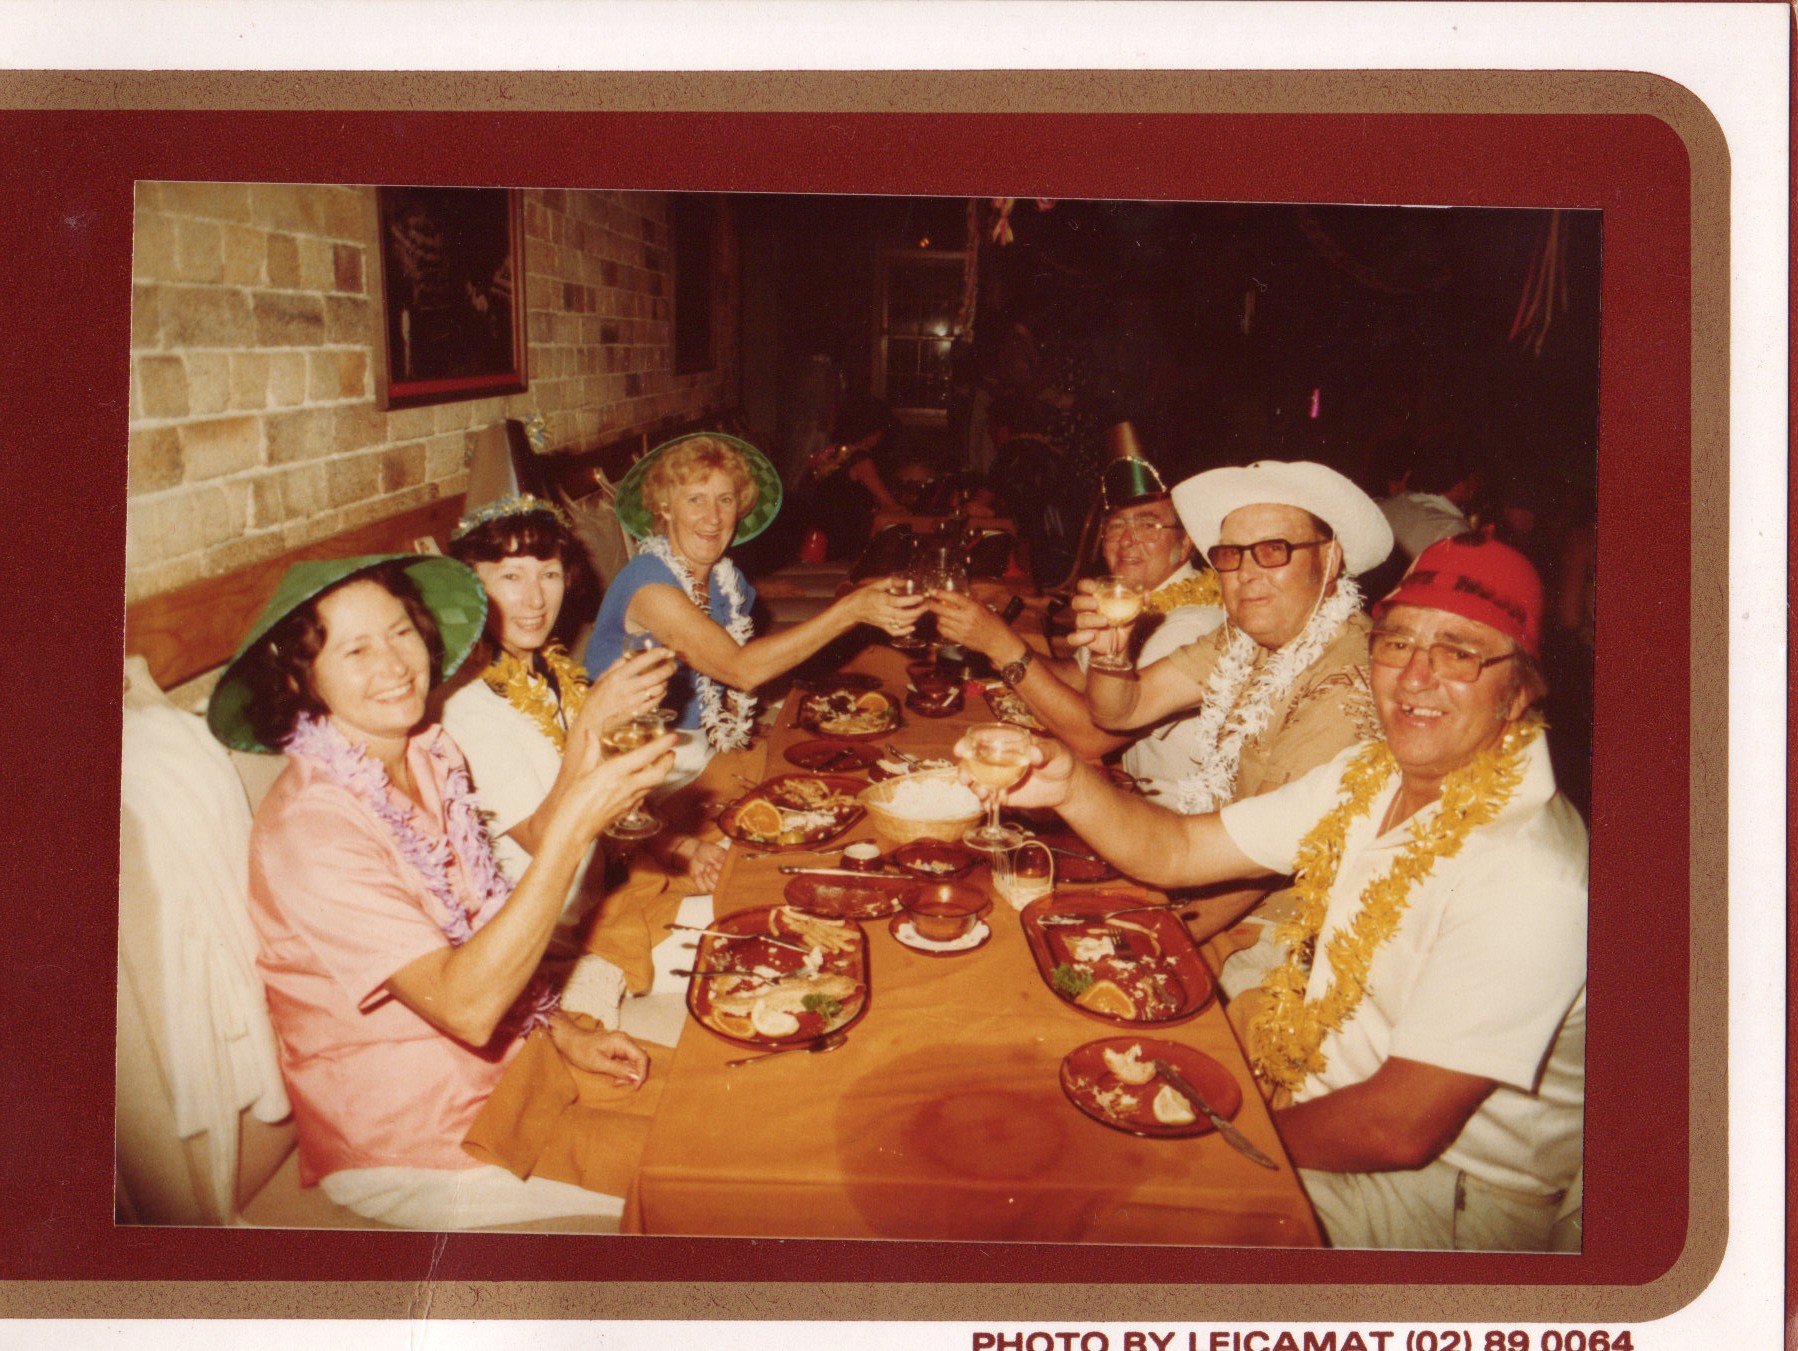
{"points": [[689, 500], [521, 708], [400, 963]]}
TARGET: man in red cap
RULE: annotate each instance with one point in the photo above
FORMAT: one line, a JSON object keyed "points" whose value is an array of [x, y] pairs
{"points": [[1420, 1020]]}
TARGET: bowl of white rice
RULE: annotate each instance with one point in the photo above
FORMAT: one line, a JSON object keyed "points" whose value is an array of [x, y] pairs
{"points": [[932, 804]]}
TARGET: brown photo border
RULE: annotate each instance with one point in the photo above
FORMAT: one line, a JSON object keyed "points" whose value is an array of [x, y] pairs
{"points": [[75, 141]]}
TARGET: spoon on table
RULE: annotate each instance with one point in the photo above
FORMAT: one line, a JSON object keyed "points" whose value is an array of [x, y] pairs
{"points": [[818, 1047]]}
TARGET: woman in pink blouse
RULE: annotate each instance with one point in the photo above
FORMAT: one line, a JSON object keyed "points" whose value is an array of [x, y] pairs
{"points": [[400, 963]]}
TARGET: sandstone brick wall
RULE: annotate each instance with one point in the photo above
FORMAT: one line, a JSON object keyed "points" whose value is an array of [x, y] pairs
{"points": [[255, 335]]}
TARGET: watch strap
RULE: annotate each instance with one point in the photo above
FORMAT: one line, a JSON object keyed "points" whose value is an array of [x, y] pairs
{"points": [[1013, 671]]}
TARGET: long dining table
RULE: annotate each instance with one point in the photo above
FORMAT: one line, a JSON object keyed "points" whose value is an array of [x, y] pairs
{"points": [[943, 1116]]}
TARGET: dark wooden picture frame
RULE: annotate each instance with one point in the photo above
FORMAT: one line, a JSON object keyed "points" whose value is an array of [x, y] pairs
{"points": [[452, 311]]}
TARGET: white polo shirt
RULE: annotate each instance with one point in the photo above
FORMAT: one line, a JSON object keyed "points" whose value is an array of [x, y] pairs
{"points": [[1486, 973]]}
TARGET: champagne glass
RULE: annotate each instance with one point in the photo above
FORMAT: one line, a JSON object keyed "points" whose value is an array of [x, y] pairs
{"points": [[615, 738], [1120, 601], [909, 583], [997, 755]]}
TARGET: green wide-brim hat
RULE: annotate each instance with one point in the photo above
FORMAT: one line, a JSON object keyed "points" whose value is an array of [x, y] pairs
{"points": [[450, 591], [635, 517]]}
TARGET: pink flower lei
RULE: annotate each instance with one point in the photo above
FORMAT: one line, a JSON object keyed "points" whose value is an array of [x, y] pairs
{"points": [[352, 768]]}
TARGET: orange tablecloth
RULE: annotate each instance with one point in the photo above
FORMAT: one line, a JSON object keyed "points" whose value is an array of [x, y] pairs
{"points": [[943, 1117]]}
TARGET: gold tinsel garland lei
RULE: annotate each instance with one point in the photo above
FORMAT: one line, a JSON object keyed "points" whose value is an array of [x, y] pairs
{"points": [[521, 685], [1286, 1034], [1199, 589]]}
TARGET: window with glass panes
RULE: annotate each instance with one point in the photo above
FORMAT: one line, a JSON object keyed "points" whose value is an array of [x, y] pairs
{"points": [[920, 296]]}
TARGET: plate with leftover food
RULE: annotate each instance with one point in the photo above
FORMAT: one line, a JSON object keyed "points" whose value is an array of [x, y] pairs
{"points": [[1116, 958], [792, 811], [1114, 1081], [853, 714], [1008, 707], [934, 859], [776, 976]]}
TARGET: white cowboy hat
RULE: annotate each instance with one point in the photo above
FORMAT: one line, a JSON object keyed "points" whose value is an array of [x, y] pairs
{"points": [[1205, 499]]}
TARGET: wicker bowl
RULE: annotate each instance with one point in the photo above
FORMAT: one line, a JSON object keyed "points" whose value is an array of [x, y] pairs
{"points": [[895, 830]]}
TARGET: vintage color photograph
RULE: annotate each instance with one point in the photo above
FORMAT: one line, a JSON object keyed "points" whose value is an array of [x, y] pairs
{"points": [[843, 652]]}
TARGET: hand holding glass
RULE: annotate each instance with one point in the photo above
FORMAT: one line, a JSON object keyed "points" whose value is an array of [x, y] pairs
{"points": [[997, 755], [626, 734], [1119, 601]]}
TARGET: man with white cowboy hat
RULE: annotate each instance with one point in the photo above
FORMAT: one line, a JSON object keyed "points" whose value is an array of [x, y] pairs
{"points": [[1420, 1019], [1140, 539], [1283, 685]]}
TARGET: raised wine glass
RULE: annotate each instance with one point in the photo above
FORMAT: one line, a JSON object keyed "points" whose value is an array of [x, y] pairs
{"points": [[615, 738], [997, 755], [909, 582], [1120, 601]]}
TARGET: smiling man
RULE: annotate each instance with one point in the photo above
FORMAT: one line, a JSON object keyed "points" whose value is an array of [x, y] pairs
{"points": [[1421, 1017], [1141, 539], [1282, 686]]}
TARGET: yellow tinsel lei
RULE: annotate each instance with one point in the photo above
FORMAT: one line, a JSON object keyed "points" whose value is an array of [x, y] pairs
{"points": [[1286, 1034], [1199, 589], [521, 685]]}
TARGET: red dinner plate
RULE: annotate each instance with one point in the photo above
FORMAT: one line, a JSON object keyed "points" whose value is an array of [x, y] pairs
{"points": [[1094, 1089], [1145, 955], [743, 949], [769, 790], [847, 897]]}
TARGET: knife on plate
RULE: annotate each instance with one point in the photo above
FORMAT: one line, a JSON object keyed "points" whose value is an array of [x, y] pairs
{"points": [[795, 870], [1232, 1137]]}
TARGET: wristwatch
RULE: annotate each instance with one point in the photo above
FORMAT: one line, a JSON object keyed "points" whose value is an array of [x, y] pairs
{"points": [[1013, 671]]}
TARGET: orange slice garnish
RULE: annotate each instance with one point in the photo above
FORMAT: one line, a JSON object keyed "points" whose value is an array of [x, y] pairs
{"points": [[1104, 996], [761, 819], [873, 702]]}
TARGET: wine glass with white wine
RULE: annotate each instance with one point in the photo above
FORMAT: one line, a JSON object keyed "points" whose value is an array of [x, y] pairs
{"points": [[615, 738], [1120, 601], [997, 755]]}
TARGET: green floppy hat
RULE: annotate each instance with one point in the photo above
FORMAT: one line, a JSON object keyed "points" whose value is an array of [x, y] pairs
{"points": [[449, 590], [635, 517]]}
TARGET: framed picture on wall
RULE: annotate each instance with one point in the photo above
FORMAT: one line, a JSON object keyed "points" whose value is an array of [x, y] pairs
{"points": [[452, 306]]}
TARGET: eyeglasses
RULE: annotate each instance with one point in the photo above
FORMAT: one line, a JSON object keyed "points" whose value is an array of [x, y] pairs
{"points": [[1146, 532], [1269, 553], [1447, 662]]}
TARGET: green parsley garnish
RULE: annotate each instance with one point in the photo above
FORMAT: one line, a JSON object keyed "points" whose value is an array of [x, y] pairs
{"points": [[825, 1006], [1071, 980]]}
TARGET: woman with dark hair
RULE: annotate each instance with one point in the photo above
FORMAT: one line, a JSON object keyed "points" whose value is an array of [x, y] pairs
{"points": [[515, 702], [400, 962]]}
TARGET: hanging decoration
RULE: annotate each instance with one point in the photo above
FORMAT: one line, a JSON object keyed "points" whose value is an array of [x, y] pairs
{"points": [[1544, 288]]}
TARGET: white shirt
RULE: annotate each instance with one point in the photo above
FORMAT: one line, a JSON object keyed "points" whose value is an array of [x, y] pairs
{"points": [[513, 766], [1163, 754], [1486, 974]]}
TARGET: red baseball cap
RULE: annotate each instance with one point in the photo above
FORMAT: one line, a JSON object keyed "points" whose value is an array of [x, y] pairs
{"points": [[1476, 577]]}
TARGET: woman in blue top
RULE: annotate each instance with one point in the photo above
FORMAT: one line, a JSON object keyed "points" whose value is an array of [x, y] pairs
{"points": [[688, 501]]}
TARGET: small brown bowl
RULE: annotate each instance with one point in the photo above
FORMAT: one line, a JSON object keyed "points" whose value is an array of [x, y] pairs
{"points": [[943, 911]]}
